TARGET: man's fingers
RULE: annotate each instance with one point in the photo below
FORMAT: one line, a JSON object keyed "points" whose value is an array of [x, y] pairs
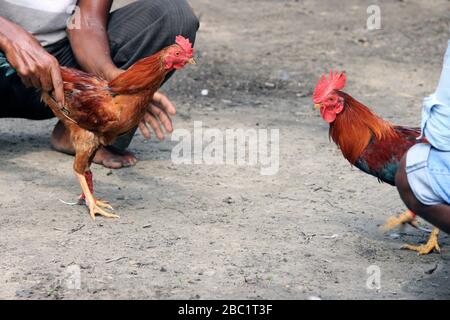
{"points": [[163, 117], [150, 119], [46, 83], [164, 103], [57, 82], [160, 109], [144, 130]]}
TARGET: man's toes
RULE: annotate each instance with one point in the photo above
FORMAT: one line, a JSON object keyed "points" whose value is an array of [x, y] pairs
{"points": [[113, 160], [108, 159], [111, 163], [129, 159]]}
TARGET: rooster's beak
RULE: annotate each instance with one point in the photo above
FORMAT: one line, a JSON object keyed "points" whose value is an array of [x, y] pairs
{"points": [[317, 106], [191, 61]]}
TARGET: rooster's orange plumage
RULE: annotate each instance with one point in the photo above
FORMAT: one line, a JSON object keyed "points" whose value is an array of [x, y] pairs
{"points": [[368, 142], [96, 112]]}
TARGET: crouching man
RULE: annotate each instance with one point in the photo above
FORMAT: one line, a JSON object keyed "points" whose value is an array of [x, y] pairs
{"points": [[36, 37]]}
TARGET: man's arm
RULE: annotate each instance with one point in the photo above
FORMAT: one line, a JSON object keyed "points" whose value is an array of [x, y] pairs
{"points": [[89, 42], [90, 46], [35, 66]]}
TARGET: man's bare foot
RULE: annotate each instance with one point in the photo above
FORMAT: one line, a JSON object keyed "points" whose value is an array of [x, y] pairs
{"points": [[115, 160], [60, 141]]}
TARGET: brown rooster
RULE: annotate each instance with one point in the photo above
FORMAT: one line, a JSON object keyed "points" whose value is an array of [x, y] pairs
{"points": [[368, 142], [96, 112]]}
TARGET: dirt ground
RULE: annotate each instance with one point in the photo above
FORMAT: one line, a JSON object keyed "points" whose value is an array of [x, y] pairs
{"points": [[206, 232]]}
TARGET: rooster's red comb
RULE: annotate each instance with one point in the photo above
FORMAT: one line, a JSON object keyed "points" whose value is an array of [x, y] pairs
{"points": [[185, 44], [336, 81]]}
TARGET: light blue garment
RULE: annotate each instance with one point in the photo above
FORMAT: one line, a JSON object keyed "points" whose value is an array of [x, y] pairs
{"points": [[5, 67], [439, 170], [436, 110], [428, 166], [419, 175]]}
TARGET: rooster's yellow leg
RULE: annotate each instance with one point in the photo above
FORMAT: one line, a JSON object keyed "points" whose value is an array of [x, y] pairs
{"points": [[90, 183], [432, 244], [94, 206], [393, 222]]}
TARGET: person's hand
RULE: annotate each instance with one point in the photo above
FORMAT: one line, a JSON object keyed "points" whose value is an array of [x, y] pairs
{"points": [[158, 113], [35, 66]]}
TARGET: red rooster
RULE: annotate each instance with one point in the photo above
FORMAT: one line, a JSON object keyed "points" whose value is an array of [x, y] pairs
{"points": [[97, 112], [368, 142]]}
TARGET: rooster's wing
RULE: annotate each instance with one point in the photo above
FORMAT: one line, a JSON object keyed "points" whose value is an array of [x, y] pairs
{"points": [[382, 158], [88, 101]]}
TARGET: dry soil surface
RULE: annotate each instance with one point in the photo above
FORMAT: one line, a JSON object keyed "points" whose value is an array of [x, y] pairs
{"points": [[224, 231]]}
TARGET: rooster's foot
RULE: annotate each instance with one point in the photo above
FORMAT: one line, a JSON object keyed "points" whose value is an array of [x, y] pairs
{"points": [[393, 222], [100, 203], [97, 210], [432, 244], [104, 204], [96, 207]]}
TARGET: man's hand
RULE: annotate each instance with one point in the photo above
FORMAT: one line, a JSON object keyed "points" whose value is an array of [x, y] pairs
{"points": [[158, 113], [35, 66]]}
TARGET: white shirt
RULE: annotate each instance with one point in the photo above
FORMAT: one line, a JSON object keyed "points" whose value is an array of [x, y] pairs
{"points": [[45, 19], [436, 110]]}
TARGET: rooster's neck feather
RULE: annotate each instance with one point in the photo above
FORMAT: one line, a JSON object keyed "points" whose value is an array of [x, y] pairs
{"points": [[356, 126], [146, 74]]}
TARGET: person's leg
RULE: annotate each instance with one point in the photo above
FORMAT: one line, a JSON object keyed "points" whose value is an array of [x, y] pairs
{"points": [[438, 215], [60, 141], [17, 101]]}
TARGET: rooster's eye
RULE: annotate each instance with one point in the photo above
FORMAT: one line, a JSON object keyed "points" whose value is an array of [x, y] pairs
{"points": [[177, 54]]}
